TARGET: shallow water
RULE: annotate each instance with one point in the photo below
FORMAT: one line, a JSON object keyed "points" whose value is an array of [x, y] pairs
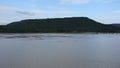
{"points": [[59, 50]]}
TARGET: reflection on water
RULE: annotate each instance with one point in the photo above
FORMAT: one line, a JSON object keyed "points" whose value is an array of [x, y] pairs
{"points": [[33, 36], [59, 51]]}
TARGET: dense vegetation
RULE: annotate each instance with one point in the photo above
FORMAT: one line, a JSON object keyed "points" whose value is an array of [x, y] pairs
{"points": [[2, 27], [72, 25], [117, 25]]}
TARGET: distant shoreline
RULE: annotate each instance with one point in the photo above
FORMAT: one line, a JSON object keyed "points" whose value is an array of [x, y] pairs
{"points": [[69, 33]]}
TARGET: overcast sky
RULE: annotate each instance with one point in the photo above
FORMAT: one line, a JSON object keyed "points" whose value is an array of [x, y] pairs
{"points": [[104, 11]]}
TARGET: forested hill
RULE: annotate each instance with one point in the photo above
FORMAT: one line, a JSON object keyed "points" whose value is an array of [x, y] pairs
{"points": [[59, 25]]}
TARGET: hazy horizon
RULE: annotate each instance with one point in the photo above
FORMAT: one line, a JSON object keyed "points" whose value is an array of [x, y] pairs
{"points": [[103, 11]]}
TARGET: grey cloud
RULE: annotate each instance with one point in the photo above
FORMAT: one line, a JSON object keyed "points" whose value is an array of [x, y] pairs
{"points": [[26, 13]]}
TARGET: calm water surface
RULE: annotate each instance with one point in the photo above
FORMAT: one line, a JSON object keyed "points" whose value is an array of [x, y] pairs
{"points": [[59, 50]]}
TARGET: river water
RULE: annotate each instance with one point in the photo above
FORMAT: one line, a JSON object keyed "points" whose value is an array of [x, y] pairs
{"points": [[52, 50]]}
